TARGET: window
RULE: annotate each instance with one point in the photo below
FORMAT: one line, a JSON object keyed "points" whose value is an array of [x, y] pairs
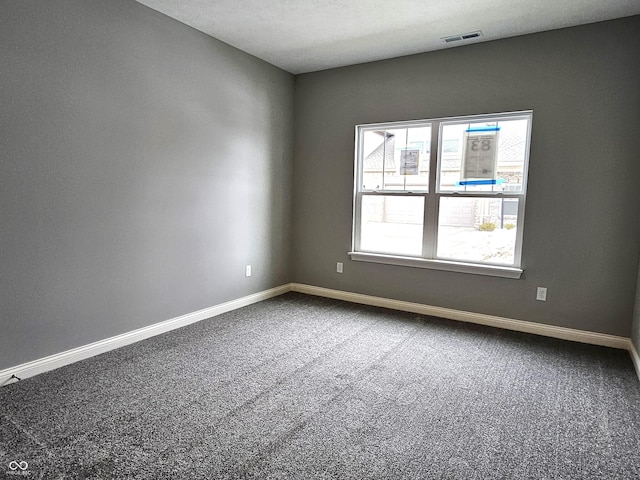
{"points": [[456, 207]]}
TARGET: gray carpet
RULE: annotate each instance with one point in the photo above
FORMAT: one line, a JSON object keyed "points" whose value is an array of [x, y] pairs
{"points": [[301, 387]]}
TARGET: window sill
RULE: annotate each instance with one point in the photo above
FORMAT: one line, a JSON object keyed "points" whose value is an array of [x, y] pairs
{"points": [[449, 266]]}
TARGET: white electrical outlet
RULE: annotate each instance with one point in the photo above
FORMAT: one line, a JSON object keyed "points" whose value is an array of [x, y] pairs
{"points": [[541, 294], [339, 267], [247, 271]]}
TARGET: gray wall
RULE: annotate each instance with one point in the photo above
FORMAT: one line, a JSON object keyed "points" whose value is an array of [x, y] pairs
{"points": [[143, 164], [581, 233]]}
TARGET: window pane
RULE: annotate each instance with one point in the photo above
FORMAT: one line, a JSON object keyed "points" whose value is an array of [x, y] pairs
{"points": [[392, 224], [507, 173], [477, 229], [396, 159]]}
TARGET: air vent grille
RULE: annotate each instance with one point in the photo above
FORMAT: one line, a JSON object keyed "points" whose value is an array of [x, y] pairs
{"points": [[462, 36]]}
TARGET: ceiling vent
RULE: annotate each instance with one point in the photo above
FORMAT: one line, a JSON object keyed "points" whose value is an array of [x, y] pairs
{"points": [[462, 36]]}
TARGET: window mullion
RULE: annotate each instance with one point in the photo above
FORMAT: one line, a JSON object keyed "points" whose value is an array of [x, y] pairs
{"points": [[430, 231]]}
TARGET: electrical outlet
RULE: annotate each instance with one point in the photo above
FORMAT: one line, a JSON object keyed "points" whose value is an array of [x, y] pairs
{"points": [[541, 294], [247, 271], [339, 267]]}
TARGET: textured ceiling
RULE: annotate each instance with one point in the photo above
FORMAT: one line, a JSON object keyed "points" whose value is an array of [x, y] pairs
{"points": [[308, 35]]}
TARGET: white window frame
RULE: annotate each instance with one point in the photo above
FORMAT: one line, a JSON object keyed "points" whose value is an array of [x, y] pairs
{"points": [[432, 198]]}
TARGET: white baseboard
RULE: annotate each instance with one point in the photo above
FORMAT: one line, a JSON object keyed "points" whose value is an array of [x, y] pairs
{"points": [[635, 357], [479, 318], [52, 362], [58, 360]]}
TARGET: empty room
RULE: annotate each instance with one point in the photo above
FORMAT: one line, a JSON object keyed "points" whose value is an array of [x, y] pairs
{"points": [[301, 239]]}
